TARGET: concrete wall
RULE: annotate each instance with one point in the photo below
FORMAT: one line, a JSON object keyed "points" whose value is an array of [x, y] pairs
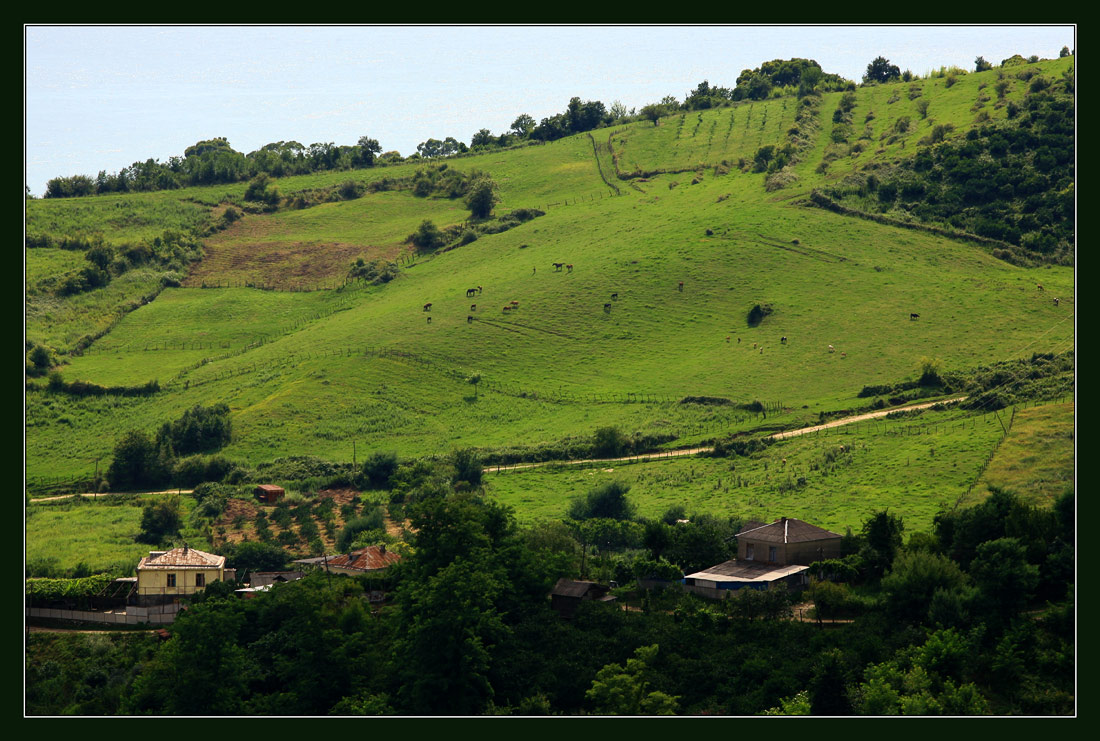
{"points": [[110, 618]]}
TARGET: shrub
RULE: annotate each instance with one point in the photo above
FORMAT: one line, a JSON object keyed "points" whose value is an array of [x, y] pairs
{"points": [[757, 314], [608, 442], [378, 470], [158, 521]]}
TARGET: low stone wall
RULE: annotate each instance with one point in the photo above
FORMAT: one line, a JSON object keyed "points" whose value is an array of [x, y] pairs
{"points": [[132, 616]]}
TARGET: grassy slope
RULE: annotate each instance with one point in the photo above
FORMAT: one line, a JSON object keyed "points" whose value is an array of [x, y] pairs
{"points": [[915, 466], [847, 282]]}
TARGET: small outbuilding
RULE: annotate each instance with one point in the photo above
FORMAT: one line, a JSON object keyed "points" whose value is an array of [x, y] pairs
{"points": [[568, 594], [269, 493]]}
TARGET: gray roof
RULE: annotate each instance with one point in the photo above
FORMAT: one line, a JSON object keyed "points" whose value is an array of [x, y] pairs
{"points": [[788, 530], [746, 571], [570, 588]]}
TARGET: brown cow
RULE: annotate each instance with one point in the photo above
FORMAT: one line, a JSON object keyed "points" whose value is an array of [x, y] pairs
{"points": [[569, 268], [473, 307]]}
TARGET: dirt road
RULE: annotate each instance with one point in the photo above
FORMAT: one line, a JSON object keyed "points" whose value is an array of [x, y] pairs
{"points": [[108, 494], [692, 451]]}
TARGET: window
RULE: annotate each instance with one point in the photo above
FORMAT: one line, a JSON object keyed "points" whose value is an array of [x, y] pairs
{"points": [[200, 580], [749, 552], [771, 553], [171, 580]]}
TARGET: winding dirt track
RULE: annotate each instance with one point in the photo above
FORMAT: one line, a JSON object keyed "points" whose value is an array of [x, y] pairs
{"points": [[643, 457], [693, 451]]}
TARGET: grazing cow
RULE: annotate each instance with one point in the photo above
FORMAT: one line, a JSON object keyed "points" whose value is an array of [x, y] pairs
{"points": [[783, 340], [469, 318], [681, 285], [761, 351], [607, 307], [1039, 286], [473, 307], [470, 292], [429, 320], [727, 338], [569, 268], [558, 266], [507, 307], [832, 349], [844, 355], [515, 303], [1056, 300], [754, 346], [479, 289], [614, 297], [914, 316], [427, 307], [738, 340]]}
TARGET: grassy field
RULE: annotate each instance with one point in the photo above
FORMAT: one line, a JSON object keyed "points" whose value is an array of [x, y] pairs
{"points": [[99, 533], [665, 273], [916, 466], [1036, 460]]}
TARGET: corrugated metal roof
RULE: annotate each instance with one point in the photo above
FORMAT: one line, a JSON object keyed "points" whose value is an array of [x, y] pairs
{"points": [[788, 530], [745, 571], [371, 558], [182, 558]]}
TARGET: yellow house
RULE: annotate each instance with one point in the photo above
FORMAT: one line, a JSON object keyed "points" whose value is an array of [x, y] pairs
{"points": [[175, 573]]}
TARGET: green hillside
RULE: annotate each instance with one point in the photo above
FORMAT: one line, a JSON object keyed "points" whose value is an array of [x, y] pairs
{"points": [[673, 234]]}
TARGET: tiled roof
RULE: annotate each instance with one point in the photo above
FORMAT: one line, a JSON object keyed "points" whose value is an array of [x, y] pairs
{"points": [[270, 487], [182, 558], [786, 530], [371, 558]]}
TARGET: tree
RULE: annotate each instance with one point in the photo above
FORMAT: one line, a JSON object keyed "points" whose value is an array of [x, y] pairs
{"points": [[605, 501], [880, 70], [159, 520], [980, 65], [1065, 52], [619, 690], [608, 442], [467, 468], [427, 236], [523, 125], [652, 112], [481, 197], [882, 535], [827, 688], [369, 149], [1004, 577], [483, 138], [137, 463], [378, 470], [474, 379], [914, 579]]}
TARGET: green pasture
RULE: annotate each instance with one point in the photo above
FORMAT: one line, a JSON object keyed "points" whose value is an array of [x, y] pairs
{"points": [[1036, 459], [121, 218], [562, 363], [42, 263], [98, 533], [913, 466]]}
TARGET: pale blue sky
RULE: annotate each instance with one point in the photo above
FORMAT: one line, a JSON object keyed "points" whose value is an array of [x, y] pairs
{"points": [[102, 97]]}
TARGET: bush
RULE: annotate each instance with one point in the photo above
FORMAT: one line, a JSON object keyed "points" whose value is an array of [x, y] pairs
{"points": [[200, 429], [427, 236], [158, 521], [604, 502], [608, 442], [757, 314], [378, 470]]}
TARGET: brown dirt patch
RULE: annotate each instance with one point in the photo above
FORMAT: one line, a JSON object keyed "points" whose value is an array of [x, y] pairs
{"points": [[242, 508]]}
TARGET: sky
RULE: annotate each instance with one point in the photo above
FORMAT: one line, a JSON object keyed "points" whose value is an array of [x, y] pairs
{"points": [[103, 97]]}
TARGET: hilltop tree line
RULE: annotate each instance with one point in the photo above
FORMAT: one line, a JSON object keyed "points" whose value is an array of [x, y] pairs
{"points": [[975, 617], [214, 161]]}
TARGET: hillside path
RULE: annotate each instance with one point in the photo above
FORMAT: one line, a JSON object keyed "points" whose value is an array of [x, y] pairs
{"points": [[693, 451], [108, 494]]}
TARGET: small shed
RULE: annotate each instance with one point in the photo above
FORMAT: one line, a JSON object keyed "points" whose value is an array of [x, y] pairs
{"points": [[568, 594], [269, 493]]}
